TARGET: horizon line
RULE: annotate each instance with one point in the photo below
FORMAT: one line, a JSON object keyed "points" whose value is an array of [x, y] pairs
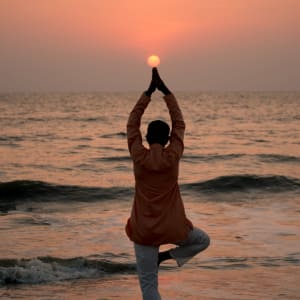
{"points": [[141, 91]]}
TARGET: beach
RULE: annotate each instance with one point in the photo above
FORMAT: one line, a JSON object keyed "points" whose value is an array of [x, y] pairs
{"points": [[66, 190]]}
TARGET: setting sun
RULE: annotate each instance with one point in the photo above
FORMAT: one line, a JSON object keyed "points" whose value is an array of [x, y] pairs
{"points": [[153, 61]]}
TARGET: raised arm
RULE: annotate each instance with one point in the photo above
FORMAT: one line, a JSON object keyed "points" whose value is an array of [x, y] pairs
{"points": [[178, 125], [134, 136]]}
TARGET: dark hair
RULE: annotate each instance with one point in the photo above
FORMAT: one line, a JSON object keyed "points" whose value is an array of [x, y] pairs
{"points": [[158, 132]]}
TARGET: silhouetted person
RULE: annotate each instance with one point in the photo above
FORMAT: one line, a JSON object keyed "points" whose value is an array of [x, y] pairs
{"points": [[158, 215]]}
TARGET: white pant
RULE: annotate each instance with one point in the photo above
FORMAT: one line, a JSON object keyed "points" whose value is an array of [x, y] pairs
{"points": [[147, 260]]}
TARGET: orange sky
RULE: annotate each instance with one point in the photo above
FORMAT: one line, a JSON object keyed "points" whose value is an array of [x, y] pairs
{"points": [[103, 45]]}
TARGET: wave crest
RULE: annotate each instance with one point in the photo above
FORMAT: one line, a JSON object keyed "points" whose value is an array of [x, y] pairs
{"points": [[244, 182], [20, 191], [50, 269]]}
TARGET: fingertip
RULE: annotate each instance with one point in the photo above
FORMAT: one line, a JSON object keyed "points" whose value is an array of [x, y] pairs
{"points": [[155, 71]]}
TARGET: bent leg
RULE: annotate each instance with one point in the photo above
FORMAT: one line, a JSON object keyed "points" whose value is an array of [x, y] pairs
{"points": [[196, 242], [146, 259]]}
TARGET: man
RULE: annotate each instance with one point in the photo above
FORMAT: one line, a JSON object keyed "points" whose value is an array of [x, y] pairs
{"points": [[158, 215]]}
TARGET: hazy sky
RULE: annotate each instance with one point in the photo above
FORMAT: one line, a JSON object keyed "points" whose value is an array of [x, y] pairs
{"points": [[102, 45]]}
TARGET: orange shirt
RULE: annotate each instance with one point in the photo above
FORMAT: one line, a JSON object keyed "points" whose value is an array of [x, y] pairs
{"points": [[158, 215]]}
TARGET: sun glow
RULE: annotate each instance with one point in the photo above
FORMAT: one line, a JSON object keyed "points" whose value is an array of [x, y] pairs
{"points": [[153, 61]]}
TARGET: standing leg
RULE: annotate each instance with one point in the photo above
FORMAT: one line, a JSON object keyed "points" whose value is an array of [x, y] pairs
{"points": [[147, 268], [196, 242]]}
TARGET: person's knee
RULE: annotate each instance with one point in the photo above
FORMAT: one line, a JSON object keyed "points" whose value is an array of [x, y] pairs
{"points": [[206, 241], [203, 240]]}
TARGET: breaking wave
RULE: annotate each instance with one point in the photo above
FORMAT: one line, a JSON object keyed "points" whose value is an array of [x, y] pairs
{"points": [[20, 191], [51, 269], [242, 183]]}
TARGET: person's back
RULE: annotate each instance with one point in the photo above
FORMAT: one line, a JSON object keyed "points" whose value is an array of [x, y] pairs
{"points": [[158, 215], [157, 197]]}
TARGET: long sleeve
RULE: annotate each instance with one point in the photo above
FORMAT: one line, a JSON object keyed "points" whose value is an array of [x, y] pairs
{"points": [[157, 216], [178, 125], [134, 136]]}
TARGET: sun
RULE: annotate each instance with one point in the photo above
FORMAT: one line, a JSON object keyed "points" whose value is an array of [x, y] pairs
{"points": [[153, 61]]}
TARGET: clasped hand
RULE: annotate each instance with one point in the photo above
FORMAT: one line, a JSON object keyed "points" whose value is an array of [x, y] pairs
{"points": [[157, 83]]}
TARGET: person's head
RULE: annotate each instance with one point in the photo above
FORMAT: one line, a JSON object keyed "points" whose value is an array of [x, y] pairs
{"points": [[158, 133]]}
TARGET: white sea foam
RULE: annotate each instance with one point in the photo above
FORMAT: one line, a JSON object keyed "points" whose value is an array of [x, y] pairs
{"points": [[37, 271]]}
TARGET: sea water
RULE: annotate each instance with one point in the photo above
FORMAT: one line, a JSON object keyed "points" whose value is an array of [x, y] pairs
{"points": [[66, 189]]}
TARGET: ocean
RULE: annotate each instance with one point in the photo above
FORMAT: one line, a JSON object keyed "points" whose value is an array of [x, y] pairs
{"points": [[66, 190]]}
